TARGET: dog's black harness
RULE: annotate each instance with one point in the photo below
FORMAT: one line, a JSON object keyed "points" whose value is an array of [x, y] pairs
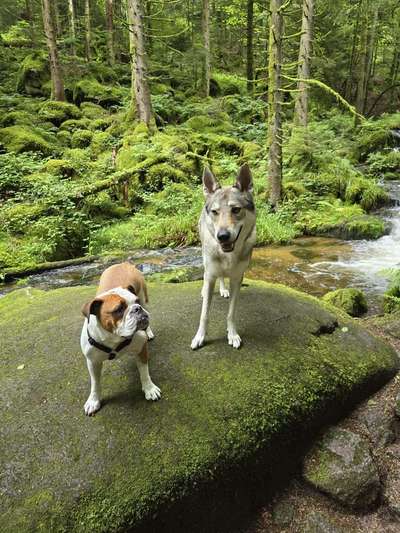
{"points": [[112, 352]]}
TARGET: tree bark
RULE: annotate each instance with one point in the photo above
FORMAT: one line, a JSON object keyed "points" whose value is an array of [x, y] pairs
{"points": [[303, 71], [370, 53], [72, 20], [140, 88], [249, 46], [275, 102], [363, 62], [55, 67], [29, 16], [88, 31], [110, 31], [205, 24]]}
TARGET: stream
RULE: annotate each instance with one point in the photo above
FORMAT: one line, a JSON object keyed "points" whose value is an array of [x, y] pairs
{"points": [[315, 265]]}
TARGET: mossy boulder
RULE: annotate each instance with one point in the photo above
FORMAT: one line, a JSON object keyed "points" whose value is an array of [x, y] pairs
{"points": [[33, 74], [91, 110], [227, 419], [24, 139], [58, 112], [341, 465], [90, 90], [72, 124], [13, 118], [81, 138], [352, 301], [59, 167]]}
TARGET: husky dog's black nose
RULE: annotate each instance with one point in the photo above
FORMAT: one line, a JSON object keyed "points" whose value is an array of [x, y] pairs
{"points": [[223, 235]]}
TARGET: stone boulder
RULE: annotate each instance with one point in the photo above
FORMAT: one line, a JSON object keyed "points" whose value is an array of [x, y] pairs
{"points": [[352, 301], [224, 424], [340, 465]]}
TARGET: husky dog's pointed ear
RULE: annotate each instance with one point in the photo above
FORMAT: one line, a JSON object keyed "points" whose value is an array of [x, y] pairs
{"points": [[210, 184], [244, 181], [92, 308]]}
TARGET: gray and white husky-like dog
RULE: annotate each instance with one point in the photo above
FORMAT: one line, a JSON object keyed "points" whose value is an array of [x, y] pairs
{"points": [[228, 234]]}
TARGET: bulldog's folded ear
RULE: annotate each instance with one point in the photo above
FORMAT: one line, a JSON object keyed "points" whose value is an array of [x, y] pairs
{"points": [[92, 308], [244, 181], [210, 184]]}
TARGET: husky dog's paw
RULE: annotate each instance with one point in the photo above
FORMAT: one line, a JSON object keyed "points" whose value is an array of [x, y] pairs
{"points": [[91, 406], [197, 341], [152, 392], [224, 293], [234, 339], [150, 334]]}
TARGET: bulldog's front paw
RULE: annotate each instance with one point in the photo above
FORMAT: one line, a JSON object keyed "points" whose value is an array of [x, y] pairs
{"points": [[198, 340], [152, 392], [92, 405], [224, 293], [234, 339]]}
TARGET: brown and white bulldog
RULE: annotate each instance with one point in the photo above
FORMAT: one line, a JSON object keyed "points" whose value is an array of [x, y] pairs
{"points": [[117, 323]]}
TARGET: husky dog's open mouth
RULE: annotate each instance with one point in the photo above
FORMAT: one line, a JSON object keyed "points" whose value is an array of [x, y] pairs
{"points": [[230, 246]]}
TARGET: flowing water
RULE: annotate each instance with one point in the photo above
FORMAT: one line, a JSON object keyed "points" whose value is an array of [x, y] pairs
{"points": [[313, 264]]}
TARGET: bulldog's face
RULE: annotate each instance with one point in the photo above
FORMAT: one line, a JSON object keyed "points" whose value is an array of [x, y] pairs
{"points": [[118, 311]]}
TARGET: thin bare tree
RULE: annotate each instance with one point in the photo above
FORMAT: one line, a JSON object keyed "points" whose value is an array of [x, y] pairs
{"points": [[57, 83], [141, 98], [88, 31], [72, 21], [110, 31], [205, 23], [275, 102]]}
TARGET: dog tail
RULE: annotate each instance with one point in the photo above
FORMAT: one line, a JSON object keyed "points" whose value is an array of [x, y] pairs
{"points": [[146, 294]]}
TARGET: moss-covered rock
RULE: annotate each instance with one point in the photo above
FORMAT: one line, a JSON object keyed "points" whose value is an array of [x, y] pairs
{"points": [[58, 112], [90, 90], [223, 420], [352, 301], [91, 110], [72, 124], [81, 138], [24, 139], [33, 74], [13, 118], [59, 167]]}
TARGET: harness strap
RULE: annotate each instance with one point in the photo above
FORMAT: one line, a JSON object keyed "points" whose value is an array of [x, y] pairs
{"points": [[112, 352]]}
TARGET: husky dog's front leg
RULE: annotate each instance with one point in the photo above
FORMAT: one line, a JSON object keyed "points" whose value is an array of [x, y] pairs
{"points": [[233, 337], [93, 402], [224, 292], [207, 292]]}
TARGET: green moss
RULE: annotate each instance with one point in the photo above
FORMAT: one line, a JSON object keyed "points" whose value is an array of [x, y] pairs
{"points": [[24, 139], [17, 35], [101, 141], [58, 112], [91, 110], [364, 227], [17, 217], [72, 125], [222, 84], [101, 123], [218, 416], [81, 138], [90, 90], [352, 301], [13, 118], [33, 74], [219, 123], [59, 167]]}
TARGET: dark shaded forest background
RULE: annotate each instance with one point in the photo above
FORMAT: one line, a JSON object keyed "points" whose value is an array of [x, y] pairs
{"points": [[110, 109]]}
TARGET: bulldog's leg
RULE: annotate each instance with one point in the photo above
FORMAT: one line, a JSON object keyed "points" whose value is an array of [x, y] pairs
{"points": [[207, 291], [142, 300], [233, 337], [151, 391], [224, 292], [93, 402]]}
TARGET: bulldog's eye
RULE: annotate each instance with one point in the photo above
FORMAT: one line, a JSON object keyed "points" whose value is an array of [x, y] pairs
{"points": [[119, 310], [214, 212], [236, 210]]}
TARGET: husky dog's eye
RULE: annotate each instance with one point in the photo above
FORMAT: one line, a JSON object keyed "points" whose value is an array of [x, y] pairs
{"points": [[214, 211], [236, 210]]}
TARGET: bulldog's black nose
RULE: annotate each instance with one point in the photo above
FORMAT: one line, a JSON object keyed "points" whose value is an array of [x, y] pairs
{"points": [[223, 235]]}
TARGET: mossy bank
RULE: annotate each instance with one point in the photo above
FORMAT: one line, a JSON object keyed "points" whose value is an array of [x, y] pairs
{"points": [[220, 426]]}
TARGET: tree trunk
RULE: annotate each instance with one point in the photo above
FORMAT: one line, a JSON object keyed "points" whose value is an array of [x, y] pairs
{"points": [[275, 102], [249, 46], [370, 54], [205, 23], [55, 67], [72, 19], [303, 72], [56, 18], [140, 87], [29, 16], [363, 61], [88, 31], [348, 93], [110, 31]]}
